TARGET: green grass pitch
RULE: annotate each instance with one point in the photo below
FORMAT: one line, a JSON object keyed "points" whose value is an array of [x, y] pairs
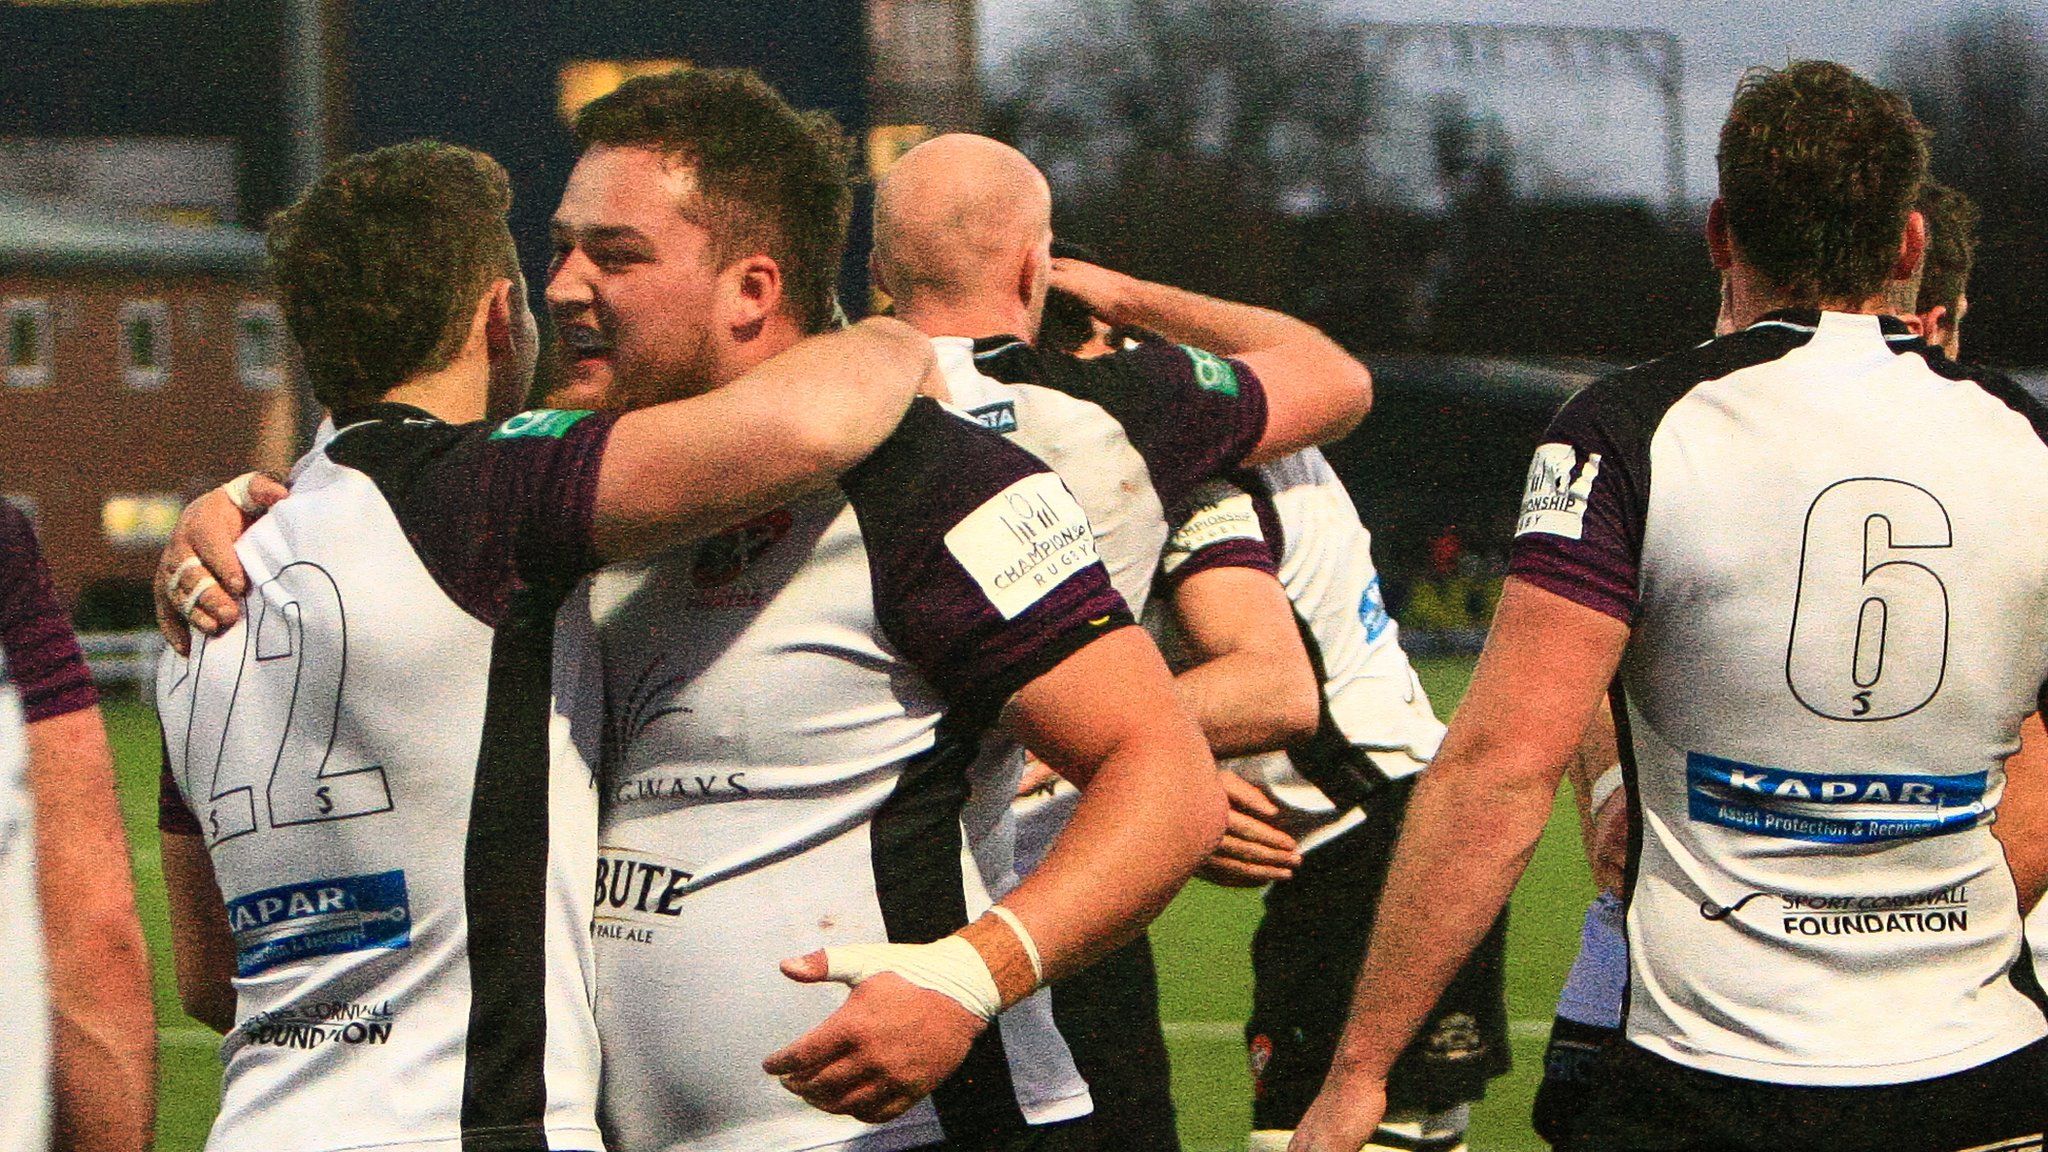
{"points": [[1205, 978]]}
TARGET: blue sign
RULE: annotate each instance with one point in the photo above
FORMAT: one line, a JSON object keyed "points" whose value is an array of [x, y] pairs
{"points": [[319, 918]]}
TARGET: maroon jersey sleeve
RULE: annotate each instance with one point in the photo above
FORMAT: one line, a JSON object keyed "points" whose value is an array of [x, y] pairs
{"points": [[1224, 526], [983, 565], [43, 658], [1580, 533], [1189, 414], [488, 509]]}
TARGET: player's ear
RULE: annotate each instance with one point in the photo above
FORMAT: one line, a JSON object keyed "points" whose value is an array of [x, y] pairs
{"points": [[1720, 242], [1912, 247], [1928, 325], [750, 291], [494, 327]]}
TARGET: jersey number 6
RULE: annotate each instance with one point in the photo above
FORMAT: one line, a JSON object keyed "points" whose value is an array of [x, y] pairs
{"points": [[1869, 625]]}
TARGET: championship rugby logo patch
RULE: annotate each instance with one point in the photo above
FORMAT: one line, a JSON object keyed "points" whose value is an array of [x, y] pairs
{"points": [[1024, 543], [1555, 499]]}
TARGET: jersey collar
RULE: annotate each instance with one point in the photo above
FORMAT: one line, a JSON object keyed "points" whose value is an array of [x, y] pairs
{"points": [[382, 410], [1897, 336]]}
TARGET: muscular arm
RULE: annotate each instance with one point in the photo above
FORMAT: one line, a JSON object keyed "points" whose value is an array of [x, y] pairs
{"points": [[1472, 824], [1150, 809], [1252, 688], [1315, 391], [103, 1021], [670, 472], [792, 425], [1603, 830], [2022, 826]]}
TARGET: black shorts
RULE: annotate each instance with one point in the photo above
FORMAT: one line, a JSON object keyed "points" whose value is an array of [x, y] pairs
{"points": [[1109, 1016], [1570, 1064], [1305, 959], [1640, 1102]]}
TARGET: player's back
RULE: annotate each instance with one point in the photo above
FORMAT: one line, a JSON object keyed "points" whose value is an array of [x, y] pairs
{"points": [[24, 992], [1840, 618], [403, 840]]}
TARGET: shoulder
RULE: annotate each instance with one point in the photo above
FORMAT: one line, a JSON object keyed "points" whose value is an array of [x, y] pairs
{"points": [[17, 537], [935, 461], [1997, 384], [1639, 396]]}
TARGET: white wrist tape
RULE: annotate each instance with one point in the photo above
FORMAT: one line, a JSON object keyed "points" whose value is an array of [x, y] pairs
{"points": [[1604, 788], [238, 491], [1023, 938], [950, 967]]}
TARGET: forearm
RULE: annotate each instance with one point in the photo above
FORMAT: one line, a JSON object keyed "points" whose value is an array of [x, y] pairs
{"points": [[1249, 702], [202, 950], [1463, 846], [2022, 827], [102, 1015], [792, 426], [1147, 818], [1219, 326]]}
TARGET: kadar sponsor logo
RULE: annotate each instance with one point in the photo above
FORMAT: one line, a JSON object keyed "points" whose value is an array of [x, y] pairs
{"points": [[319, 918], [1830, 807]]}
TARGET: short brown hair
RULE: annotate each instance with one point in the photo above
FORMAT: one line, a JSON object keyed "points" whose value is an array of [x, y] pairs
{"points": [[1818, 170], [380, 263], [1951, 246], [770, 179]]}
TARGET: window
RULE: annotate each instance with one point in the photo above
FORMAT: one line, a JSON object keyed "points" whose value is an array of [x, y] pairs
{"points": [[259, 345], [145, 343], [28, 342], [140, 520]]}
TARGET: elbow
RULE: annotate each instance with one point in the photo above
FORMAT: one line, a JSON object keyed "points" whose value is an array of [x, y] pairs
{"points": [[207, 1003], [1353, 384], [1297, 709]]}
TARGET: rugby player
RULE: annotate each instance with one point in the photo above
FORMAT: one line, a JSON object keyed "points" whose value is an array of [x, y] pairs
{"points": [[796, 708], [963, 228], [24, 972], [1590, 1004], [97, 1026], [1316, 820], [1767, 538], [366, 771]]}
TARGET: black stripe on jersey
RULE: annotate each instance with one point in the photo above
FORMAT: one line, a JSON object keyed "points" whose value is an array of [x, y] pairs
{"points": [[505, 882], [1328, 759], [1625, 751], [916, 849]]}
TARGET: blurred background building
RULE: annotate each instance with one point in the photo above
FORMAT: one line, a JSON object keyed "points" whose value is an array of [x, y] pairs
{"points": [[1491, 202]]}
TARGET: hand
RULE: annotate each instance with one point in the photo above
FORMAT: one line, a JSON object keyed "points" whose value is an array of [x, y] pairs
{"points": [[1103, 291], [1343, 1117], [201, 556], [1610, 842], [1252, 852], [885, 1049]]}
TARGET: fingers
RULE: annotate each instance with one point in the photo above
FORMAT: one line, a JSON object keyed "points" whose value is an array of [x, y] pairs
{"points": [[1248, 797], [1235, 874], [265, 491], [811, 1051], [210, 527], [1257, 833], [169, 623], [185, 591], [808, 969]]}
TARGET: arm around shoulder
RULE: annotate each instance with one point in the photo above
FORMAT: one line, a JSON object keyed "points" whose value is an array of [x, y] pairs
{"points": [[792, 425]]}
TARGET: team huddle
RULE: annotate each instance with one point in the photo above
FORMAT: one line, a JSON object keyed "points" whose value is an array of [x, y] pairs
{"points": [[730, 728]]}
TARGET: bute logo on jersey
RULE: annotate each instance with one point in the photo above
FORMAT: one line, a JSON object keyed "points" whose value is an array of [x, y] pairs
{"points": [[319, 918], [1555, 499], [1024, 543], [1830, 808]]}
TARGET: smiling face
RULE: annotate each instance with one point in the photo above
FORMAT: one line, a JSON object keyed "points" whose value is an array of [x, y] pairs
{"points": [[634, 288]]}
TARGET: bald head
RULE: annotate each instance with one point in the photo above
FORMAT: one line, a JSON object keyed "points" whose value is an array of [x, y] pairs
{"points": [[963, 221]]}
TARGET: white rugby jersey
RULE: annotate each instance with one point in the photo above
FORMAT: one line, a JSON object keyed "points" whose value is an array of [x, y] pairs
{"points": [[1132, 435], [1831, 546], [24, 989], [794, 712], [1377, 723], [404, 836]]}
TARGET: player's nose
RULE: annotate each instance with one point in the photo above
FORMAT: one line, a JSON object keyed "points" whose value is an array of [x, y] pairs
{"points": [[569, 283]]}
